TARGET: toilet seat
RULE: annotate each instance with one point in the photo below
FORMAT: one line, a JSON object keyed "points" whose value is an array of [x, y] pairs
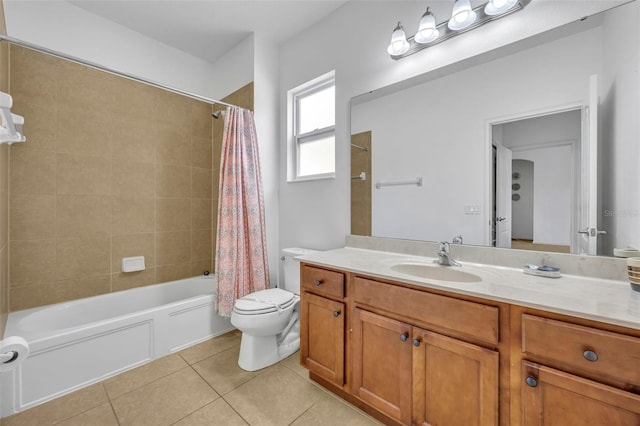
{"points": [[264, 302]]}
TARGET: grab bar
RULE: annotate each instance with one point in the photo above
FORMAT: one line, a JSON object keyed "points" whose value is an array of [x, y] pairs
{"points": [[361, 176], [417, 181]]}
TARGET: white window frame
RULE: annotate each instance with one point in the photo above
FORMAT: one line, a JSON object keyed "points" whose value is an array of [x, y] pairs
{"points": [[295, 139]]}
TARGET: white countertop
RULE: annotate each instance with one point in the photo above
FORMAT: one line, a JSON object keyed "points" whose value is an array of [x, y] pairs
{"points": [[608, 301]]}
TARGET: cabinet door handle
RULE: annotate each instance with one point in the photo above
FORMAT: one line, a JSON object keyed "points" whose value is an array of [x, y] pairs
{"points": [[531, 381], [404, 337], [336, 314], [318, 282], [416, 342], [590, 356]]}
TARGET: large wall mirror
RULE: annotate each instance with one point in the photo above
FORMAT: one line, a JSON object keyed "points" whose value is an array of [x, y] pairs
{"points": [[534, 148]]}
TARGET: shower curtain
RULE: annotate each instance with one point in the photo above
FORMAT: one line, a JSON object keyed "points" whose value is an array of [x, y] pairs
{"points": [[241, 249]]}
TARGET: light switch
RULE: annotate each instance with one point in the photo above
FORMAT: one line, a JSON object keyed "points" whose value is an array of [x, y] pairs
{"points": [[471, 209]]}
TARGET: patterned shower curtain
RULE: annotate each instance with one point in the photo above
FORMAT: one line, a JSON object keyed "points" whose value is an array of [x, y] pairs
{"points": [[241, 249]]}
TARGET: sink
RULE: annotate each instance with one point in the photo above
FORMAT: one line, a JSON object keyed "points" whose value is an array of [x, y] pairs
{"points": [[436, 272]]}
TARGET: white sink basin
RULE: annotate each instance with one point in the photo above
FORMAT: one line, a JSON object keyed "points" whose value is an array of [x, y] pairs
{"points": [[436, 272]]}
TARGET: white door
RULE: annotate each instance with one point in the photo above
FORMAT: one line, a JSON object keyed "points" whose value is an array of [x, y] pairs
{"points": [[504, 158], [588, 230]]}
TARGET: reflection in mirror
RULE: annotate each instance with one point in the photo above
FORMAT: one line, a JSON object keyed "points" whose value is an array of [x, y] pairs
{"points": [[468, 133]]}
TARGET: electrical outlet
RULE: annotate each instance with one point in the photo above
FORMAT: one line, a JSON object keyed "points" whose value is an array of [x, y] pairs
{"points": [[471, 209]]}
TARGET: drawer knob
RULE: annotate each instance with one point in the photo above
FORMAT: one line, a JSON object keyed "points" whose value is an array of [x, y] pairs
{"points": [[318, 282], [404, 337], [416, 342], [336, 314], [531, 381], [590, 356]]}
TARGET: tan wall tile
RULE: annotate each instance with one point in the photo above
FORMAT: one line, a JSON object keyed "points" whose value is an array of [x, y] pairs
{"points": [[201, 244], [198, 267], [32, 261], [31, 216], [132, 215], [199, 119], [32, 171], [133, 140], [173, 146], [133, 245], [133, 179], [84, 131], [170, 107], [201, 183], [173, 181], [202, 152], [173, 247], [82, 258], [173, 214], [126, 280], [30, 296], [79, 216], [4, 287], [173, 272], [136, 100], [40, 125], [84, 88], [201, 213], [33, 76], [83, 175]]}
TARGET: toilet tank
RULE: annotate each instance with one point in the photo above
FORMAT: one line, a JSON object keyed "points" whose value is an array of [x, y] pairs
{"points": [[291, 268]]}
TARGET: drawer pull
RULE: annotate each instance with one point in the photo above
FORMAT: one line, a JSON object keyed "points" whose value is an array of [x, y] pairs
{"points": [[336, 314], [416, 342], [531, 381], [590, 356], [318, 282], [404, 337]]}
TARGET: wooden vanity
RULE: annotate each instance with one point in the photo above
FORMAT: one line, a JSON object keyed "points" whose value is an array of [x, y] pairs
{"points": [[410, 354]]}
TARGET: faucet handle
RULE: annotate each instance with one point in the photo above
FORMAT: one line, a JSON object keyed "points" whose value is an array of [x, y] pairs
{"points": [[444, 246]]}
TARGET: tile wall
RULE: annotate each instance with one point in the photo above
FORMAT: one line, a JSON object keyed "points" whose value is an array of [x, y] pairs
{"points": [[111, 168], [4, 198]]}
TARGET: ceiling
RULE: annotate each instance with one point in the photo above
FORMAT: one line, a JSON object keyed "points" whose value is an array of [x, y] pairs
{"points": [[209, 28]]}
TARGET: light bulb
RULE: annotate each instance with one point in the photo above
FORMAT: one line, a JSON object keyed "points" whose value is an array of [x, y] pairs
{"points": [[427, 31]]}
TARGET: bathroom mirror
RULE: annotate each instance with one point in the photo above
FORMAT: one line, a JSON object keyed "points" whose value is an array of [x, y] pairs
{"points": [[498, 153]]}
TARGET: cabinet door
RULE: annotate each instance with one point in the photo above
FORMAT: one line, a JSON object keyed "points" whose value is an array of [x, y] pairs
{"points": [[553, 397], [454, 383], [322, 337], [382, 364]]}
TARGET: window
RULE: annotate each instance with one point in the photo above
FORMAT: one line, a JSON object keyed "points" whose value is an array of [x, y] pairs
{"points": [[312, 121]]}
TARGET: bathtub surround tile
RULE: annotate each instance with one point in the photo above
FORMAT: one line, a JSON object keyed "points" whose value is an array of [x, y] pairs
{"points": [[33, 76], [173, 145], [80, 216], [173, 272], [222, 372], [129, 245], [127, 280], [132, 140], [201, 183], [198, 267], [65, 407], [133, 379], [47, 293], [173, 214], [218, 413], [102, 415], [84, 131], [173, 247], [82, 175], [211, 347], [133, 179], [164, 401], [31, 216], [202, 213], [277, 397], [201, 244], [42, 124], [32, 171], [202, 151], [173, 181], [32, 261], [132, 215], [82, 258]]}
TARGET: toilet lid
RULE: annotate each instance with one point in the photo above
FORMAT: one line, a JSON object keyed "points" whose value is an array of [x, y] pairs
{"points": [[264, 301]]}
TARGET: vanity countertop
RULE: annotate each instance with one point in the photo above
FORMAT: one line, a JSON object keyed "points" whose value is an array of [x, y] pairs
{"points": [[608, 301]]}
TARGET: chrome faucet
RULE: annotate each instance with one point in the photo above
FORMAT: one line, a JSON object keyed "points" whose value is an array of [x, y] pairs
{"points": [[457, 240], [444, 256]]}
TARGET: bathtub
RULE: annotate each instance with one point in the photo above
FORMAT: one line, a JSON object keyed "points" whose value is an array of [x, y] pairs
{"points": [[75, 344]]}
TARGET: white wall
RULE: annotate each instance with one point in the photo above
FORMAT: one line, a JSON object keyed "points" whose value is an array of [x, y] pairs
{"points": [[353, 41], [440, 134], [522, 209]]}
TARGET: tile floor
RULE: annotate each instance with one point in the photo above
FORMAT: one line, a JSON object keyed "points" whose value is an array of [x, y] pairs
{"points": [[201, 385]]}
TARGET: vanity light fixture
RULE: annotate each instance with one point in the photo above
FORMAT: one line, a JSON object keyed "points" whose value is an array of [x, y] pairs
{"points": [[463, 18]]}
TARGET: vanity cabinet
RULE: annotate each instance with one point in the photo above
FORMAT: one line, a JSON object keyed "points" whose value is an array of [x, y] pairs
{"points": [[322, 323]]}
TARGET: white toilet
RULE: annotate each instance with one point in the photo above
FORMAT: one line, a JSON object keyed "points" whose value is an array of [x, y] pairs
{"points": [[269, 319]]}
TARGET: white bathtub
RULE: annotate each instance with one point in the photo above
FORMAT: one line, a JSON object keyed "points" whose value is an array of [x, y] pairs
{"points": [[78, 343]]}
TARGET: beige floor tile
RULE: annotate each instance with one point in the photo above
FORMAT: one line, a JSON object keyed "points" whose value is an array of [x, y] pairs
{"points": [[100, 416], [277, 397], [218, 413], [133, 379], [221, 371], [332, 411], [164, 401], [293, 363], [211, 347], [61, 408]]}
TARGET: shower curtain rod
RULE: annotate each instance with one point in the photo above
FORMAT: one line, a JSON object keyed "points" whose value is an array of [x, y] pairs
{"points": [[110, 70]]}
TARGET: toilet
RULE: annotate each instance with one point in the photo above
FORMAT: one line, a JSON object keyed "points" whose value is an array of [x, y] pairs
{"points": [[269, 319]]}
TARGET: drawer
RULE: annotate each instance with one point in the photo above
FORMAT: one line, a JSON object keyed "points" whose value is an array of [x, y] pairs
{"points": [[475, 320], [322, 282], [582, 349]]}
